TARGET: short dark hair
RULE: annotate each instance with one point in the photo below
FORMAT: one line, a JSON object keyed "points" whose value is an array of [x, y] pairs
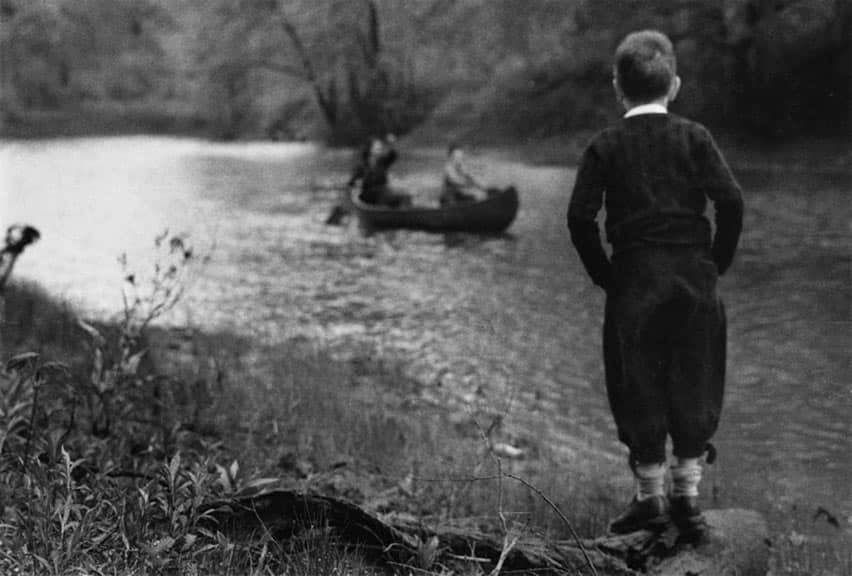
{"points": [[645, 65]]}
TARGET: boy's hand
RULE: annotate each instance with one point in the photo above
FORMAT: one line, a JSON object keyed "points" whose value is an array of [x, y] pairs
{"points": [[606, 281]]}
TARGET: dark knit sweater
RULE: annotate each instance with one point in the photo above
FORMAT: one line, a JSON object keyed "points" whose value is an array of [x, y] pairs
{"points": [[654, 174]]}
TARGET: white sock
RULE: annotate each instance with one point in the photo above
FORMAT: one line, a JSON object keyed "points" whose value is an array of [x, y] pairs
{"points": [[649, 480], [686, 474]]}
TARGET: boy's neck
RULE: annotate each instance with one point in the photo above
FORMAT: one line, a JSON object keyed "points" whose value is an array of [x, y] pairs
{"points": [[658, 106]]}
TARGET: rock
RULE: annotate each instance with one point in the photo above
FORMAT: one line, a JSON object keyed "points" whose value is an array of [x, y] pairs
{"points": [[737, 545]]}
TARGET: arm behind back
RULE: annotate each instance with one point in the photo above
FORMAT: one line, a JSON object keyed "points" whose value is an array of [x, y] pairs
{"points": [[586, 202], [725, 193]]}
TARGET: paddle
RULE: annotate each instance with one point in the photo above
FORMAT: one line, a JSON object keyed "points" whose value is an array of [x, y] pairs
{"points": [[341, 210]]}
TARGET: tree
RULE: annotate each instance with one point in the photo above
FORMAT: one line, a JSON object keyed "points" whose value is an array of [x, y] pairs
{"points": [[58, 51], [792, 62], [30, 43], [333, 51]]}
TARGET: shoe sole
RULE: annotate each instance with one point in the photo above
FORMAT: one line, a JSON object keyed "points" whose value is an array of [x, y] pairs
{"points": [[691, 529], [658, 524]]}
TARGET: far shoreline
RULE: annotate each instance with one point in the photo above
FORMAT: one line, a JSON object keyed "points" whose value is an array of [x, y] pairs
{"points": [[819, 154], [94, 120]]}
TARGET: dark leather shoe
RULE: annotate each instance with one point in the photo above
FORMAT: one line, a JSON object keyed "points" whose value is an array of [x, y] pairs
{"points": [[649, 514], [687, 516]]}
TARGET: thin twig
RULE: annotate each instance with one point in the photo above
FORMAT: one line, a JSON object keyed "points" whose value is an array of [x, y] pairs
{"points": [[411, 568], [486, 437], [468, 558], [556, 509], [508, 545], [500, 474], [504, 553]]}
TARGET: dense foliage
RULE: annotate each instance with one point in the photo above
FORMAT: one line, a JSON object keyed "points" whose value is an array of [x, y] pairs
{"points": [[340, 69]]}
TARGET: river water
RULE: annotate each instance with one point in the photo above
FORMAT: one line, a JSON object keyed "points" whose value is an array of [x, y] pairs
{"points": [[510, 320]]}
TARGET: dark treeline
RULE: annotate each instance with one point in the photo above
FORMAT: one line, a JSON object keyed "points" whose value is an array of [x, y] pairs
{"points": [[339, 69]]}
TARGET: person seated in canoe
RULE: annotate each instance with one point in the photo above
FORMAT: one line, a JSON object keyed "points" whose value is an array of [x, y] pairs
{"points": [[459, 186], [372, 173]]}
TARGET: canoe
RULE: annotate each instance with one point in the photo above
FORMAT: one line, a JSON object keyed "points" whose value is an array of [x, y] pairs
{"points": [[491, 215]]}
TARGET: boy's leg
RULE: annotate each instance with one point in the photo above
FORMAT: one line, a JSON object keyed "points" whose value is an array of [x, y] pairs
{"points": [[649, 508], [684, 509], [636, 365], [686, 475], [696, 389], [696, 382], [649, 480], [636, 358]]}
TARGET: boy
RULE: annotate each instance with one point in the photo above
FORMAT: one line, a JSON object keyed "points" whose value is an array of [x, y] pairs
{"points": [[372, 172], [664, 325], [459, 185]]}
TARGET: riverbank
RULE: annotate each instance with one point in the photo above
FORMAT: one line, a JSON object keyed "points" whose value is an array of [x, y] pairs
{"points": [[821, 154], [103, 119], [355, 429], [413, 335], [227, 412], [812, 155]]}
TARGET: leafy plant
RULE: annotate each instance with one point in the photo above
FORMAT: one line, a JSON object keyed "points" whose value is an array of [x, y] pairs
{"points": [[146, 298]]}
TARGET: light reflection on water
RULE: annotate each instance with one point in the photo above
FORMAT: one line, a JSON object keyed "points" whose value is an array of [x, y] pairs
{"points": [[512, 321]]}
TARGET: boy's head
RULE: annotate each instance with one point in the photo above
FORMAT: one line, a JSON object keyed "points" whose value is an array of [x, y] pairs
{"points": [[645, 68], [377, 147]]}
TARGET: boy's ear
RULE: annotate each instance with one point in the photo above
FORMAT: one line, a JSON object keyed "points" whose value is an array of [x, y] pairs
{"points": [[674, 89], [617, 87]]}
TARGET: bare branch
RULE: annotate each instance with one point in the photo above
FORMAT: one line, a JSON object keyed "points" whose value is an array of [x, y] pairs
{"points": [[565, 520], [278, 67], [310, 74], [373, 46], [507, 548], [508, 545]]}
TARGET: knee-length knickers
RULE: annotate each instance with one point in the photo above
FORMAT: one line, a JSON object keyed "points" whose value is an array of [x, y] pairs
{"points": [[664, 350]]}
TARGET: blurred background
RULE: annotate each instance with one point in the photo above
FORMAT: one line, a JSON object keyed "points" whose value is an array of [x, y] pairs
{"points": [[299, 346], [339, 69]]}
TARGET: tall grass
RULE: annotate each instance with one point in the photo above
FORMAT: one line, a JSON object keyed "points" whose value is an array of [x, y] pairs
{"points": [[33, 321], [106, 461], [122, 493], [200, 416]]}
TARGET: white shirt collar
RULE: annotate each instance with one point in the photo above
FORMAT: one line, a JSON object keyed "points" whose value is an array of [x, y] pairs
{"points": [[652, 108]]}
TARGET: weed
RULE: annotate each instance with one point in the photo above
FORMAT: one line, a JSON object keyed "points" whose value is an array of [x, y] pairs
{"points": [[106, 465]]}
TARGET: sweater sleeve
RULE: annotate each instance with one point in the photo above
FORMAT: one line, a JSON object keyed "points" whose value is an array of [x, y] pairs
{"points": [[389, 158], [586, 202], [724, 191]]}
